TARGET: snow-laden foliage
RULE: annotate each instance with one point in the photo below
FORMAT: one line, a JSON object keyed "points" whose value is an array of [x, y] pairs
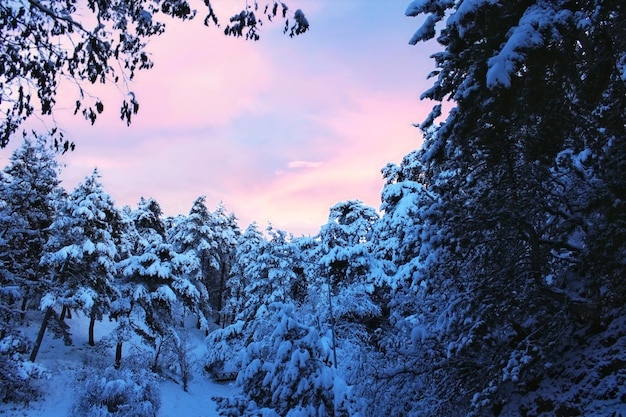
{"points": [[346, 244], [82, 251], [271, 277], [489, 236], [226, 232], [248, 246], [118, 393], [348, 291], [223, 359], [193, 236], [212, 238], [16, 374], [264, 272], [156, 283], [287, 371], [491, 283], [30, 192]]}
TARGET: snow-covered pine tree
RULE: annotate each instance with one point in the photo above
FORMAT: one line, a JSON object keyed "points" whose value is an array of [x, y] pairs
{"points": [[401, 371], [130, 245], [345, 287], [346, 259], [29, 189], [225, 344], [288, 371], [525, 176], [193, 234], [30, 192], [271, 276], [248, 245], [213, 237], [264, 272], [222, 254], [154, 283], [81, 253]]}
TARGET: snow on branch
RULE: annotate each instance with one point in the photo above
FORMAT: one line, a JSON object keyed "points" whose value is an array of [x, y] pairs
{"points": [[535, 22]]}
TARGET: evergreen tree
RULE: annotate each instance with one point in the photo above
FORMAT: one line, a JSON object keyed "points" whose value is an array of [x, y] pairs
{"points": [[221, 256], [30, 190], [148, 220], [490, 239], [220, 233], [532, 134], [272, 275], [287, 371], [401, 370], [248, 245], [346, 258], [265, 272], [82, 252], [155, 285], [193, 235], [346, 287], [212, 237]]}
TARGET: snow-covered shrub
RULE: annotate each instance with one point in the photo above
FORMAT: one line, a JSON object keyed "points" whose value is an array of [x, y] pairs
{"points": [[16, 373], [288, 372], [222, 358], [118, 393]]}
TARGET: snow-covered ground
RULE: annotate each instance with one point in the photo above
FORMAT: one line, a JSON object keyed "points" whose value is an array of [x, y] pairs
{"points": [[67, 366]]}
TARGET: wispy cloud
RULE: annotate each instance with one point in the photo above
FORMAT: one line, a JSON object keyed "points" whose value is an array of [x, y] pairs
{"points": [[304, 164]]}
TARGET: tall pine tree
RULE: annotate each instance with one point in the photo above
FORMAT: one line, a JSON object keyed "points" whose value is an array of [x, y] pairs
{"points": [[82, 252], [510, 193], [30, 193]]}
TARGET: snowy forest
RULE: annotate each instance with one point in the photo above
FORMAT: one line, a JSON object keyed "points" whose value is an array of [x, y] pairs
{"points": [[490, 281]]}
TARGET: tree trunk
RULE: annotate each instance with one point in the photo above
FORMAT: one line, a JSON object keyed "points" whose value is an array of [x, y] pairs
{"points": [[332, 324], [42, 330], [220, 300], [118, 355], [155, 364], [23, 307], [65, 312], [92, 322]]}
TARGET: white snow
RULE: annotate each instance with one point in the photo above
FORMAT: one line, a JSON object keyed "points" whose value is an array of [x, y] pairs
{"points": [[426, 31], [427, 6], [165, 293], [89, 247], [67, 366], [527, 35], [465, 9], [85, 297], [48, 300]]}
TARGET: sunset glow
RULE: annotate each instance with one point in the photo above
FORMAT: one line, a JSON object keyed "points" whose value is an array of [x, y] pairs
{"points": [[278, 130]]}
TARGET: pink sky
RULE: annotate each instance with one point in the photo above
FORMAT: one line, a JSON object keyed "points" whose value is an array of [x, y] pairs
{"points": [[279, 130]]}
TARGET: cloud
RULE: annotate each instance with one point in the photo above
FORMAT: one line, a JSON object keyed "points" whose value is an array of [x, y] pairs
{"points": [[373, 130], [304, 164]]}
